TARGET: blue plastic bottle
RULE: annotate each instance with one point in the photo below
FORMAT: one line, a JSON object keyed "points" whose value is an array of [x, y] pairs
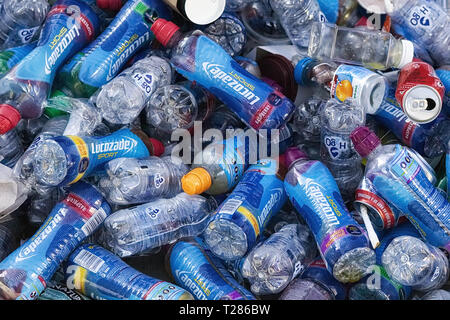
{"points": [[69, 26], [401, 180], [200, 59], [25, 272], [64, 160], [444, 74], [236, 225], [12, 56], [197, 270], [101, 275], [104, 58], [343, 244]]}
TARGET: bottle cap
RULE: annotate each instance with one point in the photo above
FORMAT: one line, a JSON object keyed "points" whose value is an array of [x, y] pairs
{"points": [[300, 71], [364, 141], [157, 146], [293, 154], [204, 11], [9, 118], [164, 30], [279, 69], [407, 53], [196, 181], [114, 5]]}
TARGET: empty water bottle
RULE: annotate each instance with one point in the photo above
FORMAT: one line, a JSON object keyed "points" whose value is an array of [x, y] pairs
{"points": [[306, 119], [437, 295], [19, 21], [411, 262], [424, 22], [11, 148], [147, 226], [132, 181], [122, 99], [271, 265], [236, 5]]}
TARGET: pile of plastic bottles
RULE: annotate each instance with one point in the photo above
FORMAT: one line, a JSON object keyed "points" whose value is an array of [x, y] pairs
{"points": [[224, 150]]}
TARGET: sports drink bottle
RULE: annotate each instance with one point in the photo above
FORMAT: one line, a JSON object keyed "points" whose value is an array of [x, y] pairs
{"points": [[12, 56]]}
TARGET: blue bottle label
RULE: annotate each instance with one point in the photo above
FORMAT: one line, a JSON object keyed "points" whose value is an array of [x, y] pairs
{"points": [[24, 272], [197, 270], [69, 26], [254, 101], [19, 53]]}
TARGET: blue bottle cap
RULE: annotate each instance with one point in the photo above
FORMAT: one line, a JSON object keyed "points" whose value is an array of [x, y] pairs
{"points": [[300, 71]]}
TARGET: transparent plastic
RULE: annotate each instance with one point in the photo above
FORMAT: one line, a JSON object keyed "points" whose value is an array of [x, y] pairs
{"points": [[11, 148], [306, 289]]}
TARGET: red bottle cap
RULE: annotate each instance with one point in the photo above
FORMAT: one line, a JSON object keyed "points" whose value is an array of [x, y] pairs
{"points": [[114, 5], [9, 118], [364, 141], [164, 30], [157, 146]]}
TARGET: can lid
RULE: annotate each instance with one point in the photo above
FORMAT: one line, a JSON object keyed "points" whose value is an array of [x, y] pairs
{"points": [[300, 71], [364, 140], [9, 118], [407, 53], [293, 154], [196, 181], [422, 103], [280, 70], [164, 30], [204, 11]]}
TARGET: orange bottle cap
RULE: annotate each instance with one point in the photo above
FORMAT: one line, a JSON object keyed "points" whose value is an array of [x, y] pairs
{"points": [[196, 181]]}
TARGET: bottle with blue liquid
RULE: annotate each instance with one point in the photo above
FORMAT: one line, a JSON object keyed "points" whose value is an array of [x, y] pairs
{"points": [[200, 272], [64, 160], [99, 274], [237, 224], [401, 180], [104, 58], [26, 271], [69, 26], [343, 244]]}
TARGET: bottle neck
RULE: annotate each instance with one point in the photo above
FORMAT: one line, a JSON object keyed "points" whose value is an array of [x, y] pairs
{"points": [[375, 152]]}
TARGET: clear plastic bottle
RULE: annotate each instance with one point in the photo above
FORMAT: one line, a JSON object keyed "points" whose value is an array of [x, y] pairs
{"points": [[273, 263], [11, 148], [133, 181], [147, 226], [20, 20], [401, 178], [338, 120], [306, 119], [424, 22], [436, 295], [296, 17], [236, 5], [306, 289], [122, 99], [411, 262], [359, 46], [237, 224]]}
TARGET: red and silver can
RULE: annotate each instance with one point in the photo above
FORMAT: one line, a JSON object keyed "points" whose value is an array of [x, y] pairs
{"points": [[420, 92]]}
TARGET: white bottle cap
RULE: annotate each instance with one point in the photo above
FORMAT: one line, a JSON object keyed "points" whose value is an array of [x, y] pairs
{"points": [[204, 11], [373, 6], [407, 53]]}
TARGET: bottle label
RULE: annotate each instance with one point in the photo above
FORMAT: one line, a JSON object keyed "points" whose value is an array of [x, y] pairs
{"points": [[234, 159], [421, 16], [26, 271], [337, 147], [144, 82], [27, 34], [18, 53], [69, 26]]}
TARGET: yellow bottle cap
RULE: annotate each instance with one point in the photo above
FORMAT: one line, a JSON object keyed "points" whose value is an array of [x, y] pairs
{"points": [[196, 181]]}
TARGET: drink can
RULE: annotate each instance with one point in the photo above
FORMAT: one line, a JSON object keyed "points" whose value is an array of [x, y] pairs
{"points": [[420, 92]]}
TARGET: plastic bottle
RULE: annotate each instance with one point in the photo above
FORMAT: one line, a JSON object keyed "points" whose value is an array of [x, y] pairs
{"points": [[122, 99], [444, 74], [365, 87], [341, 12], [41, 204], [359, 46], [338, 120], [343, 244], [276, 261], [64, 160], [427, 139], [57, 291], [11, 148], [222, 119], [237, 224], [104, 58], [399, 177], [411, 262], [26, 270], [256, 103], [437, 295], [9, 238], [315, 283], [99, 274], [159, 222], [133, 181], [197, 270], [424, 22], [69, 26], [236, 5], [306, 119], [20, 20], [297, 17], [12, 56]]}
